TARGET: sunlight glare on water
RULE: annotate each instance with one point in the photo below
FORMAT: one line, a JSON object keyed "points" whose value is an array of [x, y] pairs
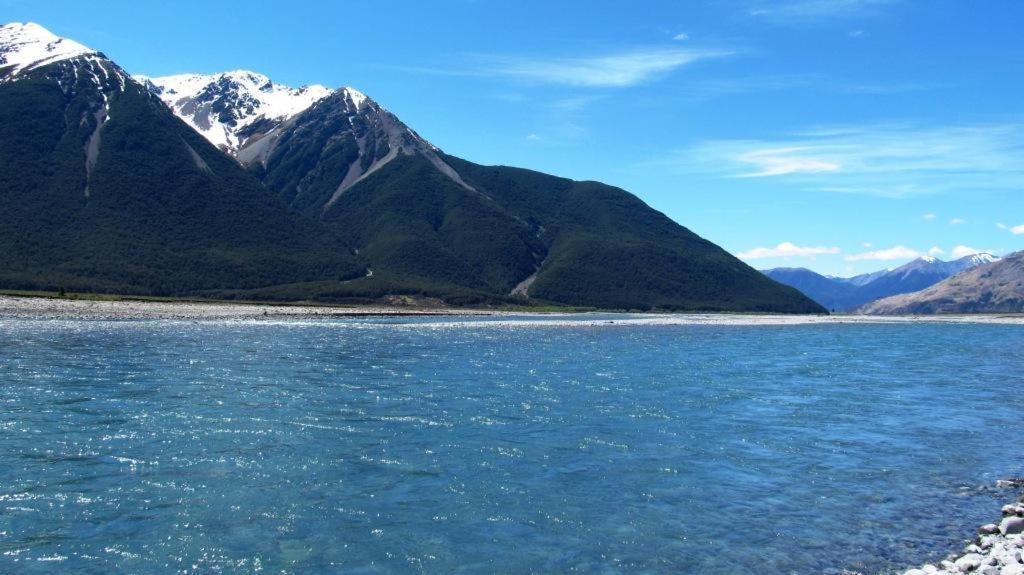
{"points": [[418, 445]]}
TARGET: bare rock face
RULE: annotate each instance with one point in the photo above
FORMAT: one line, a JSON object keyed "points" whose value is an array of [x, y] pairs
{"points": [[997, 287], [230, 108]]}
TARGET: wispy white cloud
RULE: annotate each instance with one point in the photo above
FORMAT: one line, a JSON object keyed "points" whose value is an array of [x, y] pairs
{"points": [[889, 254], [936, 251], [804, 11], [956, 221], [855, 33], [880, 160], [786, 250], [680, 37], [964, 251], [781, 161], [608, 71], [532, 137], [928, 217], [1015, 230]]}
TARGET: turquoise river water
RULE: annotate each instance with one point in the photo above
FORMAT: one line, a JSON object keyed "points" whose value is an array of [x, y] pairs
{"points": [[446, 445]]}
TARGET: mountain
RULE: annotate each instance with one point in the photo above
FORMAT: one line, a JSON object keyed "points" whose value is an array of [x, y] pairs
{"points": [[442, 226], [862, 279], [229, 185], [832, 293], [434, 225], [231, 107], [105, 189], [846, 294], [916, 275], [995, 287]]}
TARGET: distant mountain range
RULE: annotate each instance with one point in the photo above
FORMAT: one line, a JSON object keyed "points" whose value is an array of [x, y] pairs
{"points": [[230, 185], [847, 294], [996, 287]]}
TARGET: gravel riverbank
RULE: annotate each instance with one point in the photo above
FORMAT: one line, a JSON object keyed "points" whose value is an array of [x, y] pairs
{"points": [[13, 306], [54, 308]]}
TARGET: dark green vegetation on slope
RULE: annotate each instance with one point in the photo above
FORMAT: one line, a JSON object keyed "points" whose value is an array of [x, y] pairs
{"points": [[606, 247], [353, 206], [157, 210], [594, 245], [437, 226]]}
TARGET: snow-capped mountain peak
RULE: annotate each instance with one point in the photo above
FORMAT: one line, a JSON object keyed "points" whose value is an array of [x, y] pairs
{"points": [[358, 98], [225, 107], [980, 259], [28, 46]]}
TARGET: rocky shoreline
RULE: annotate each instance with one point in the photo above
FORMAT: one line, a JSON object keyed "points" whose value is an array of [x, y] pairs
{"points": [[21, 307], [44, 308], [997, 550]]}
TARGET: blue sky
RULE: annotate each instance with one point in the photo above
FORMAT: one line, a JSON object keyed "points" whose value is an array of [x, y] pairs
{"points": [[842, 135]]}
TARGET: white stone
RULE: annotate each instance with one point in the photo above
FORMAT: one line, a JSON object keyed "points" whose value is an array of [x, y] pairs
{"points": [[1012, 569], [1011, 525], [968, 562]]}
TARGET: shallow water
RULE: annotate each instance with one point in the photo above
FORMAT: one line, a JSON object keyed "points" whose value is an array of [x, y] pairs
{"points": [[426, 445]]}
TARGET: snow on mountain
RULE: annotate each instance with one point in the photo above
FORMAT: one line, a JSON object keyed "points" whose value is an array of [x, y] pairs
{"points": [[972, 261], [227, 107], [248, 116], [931, 265], [848, 293], [28, 46], [996, 286], [862, 279]]}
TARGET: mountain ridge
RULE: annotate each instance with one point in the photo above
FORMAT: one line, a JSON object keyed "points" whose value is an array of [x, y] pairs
{"points": [[338, 201], [105, 189], [847, 294], [27, 46], [227, 108], [994, 287]]}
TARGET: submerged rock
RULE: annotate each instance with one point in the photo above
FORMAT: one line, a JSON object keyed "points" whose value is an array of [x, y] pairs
{"points": [[997, 550]]}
